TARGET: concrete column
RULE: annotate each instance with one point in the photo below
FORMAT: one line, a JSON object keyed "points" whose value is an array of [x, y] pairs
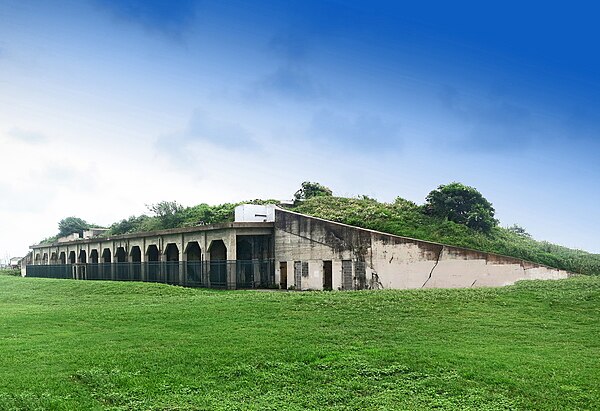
{"points": [[231, 259], [143, 260]]}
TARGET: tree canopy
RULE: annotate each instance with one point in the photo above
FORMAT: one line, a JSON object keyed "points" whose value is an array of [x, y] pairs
{"points": [[309, 189], [461, 204], [70, 225]]}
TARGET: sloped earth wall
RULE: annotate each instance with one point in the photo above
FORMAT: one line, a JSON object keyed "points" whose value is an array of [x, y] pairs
{"points": [[383, 260]]}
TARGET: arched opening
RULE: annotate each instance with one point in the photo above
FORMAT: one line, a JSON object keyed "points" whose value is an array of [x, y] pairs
{"points": [[121, 255], [122, 270], [62, 258], [94, 257], [45, 259], [152, 253], [244, 264], [172, 263], [53, 258], [93, 268], [136, 254], [136, 263], [153, 264], [106, 268], [218, 264], [106, 255], [194, 265], [72, 257], [82, 256], [37, 260]]}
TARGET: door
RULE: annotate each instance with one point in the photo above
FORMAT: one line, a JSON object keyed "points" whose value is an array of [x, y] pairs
{"points": [[327, 276], [283, 275]]}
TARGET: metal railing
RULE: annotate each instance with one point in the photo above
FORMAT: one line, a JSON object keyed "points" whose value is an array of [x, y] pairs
{"points": [[231, 274]]}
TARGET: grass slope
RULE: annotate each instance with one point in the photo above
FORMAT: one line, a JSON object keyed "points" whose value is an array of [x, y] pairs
{"points": [[405, 218], [85, 345]]}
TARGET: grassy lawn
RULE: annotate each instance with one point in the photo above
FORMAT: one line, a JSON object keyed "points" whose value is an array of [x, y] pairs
{"points": [[84, 345]]}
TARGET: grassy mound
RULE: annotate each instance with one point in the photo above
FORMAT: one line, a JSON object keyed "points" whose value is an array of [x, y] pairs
{"points": [[405, 218], [90, 345]]}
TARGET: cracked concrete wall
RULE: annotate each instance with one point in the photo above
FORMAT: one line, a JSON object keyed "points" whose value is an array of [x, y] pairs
{"points": [[392, 261]]}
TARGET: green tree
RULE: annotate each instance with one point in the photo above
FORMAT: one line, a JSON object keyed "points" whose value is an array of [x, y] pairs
{"points": [[461, 204], [130, 225], [71, 225], [518, 230], [308, 190], [169, 213]]}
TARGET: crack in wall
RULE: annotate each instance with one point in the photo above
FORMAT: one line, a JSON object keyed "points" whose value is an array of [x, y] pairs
{"points": [[433, 268], [473, 283]]}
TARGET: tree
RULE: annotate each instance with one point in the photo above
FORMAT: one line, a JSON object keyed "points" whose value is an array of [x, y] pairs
{"points": [[309, 190], [461, 204], [518, 230], [169, 213], [71, 225]]}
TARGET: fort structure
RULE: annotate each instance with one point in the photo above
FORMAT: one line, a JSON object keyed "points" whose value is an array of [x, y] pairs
{"points": [[270, 247]]}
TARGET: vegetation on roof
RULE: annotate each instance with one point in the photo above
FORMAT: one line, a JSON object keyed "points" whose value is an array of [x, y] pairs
{"points": [[452, 214]]}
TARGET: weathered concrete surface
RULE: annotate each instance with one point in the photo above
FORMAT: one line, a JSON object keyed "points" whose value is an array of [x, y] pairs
{"points": [[390, 261]]}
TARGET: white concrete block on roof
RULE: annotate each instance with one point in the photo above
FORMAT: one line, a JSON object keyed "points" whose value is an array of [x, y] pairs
{"points": [[251, 213]]}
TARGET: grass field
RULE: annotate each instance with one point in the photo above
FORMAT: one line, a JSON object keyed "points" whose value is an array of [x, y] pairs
{"points": [[84, 345]]}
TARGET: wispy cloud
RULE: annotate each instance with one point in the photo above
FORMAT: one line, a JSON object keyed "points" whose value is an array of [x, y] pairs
{"points": [[202, 129], [289, 82], [492, 123], [27, 136], [363, 131], [168, 18]]}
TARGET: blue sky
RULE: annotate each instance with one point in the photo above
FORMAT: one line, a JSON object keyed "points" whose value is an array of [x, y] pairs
{"points": [[108, 105]]}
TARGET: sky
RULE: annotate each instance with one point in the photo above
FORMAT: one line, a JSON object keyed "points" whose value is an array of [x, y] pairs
{"points": [[107, 106]]}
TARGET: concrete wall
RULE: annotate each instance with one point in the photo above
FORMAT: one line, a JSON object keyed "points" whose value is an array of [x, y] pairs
{"points": [[380, 260]]}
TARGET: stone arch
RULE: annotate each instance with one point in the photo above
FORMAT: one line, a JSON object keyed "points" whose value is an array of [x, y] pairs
{"points": [[106, 256], [172, 252], [153, 258], [194, 265], [218, 264], [121, 255], [94, 256], [152, 253], [193, 251], [217, 250], [172, 263], [135, 254]]}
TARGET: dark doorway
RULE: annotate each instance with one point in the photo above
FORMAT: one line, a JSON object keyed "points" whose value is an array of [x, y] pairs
{"points": [[283, 275], [82, 256], [172, 264], [218, 264], [94, 256], [136, 263], [72, 257], [327, 276], [136, 254], [153, 264], [63, 258], [106, 255], [194, 264]]}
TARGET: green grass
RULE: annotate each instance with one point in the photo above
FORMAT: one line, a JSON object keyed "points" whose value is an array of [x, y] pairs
{"points": [[85, 345]]}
